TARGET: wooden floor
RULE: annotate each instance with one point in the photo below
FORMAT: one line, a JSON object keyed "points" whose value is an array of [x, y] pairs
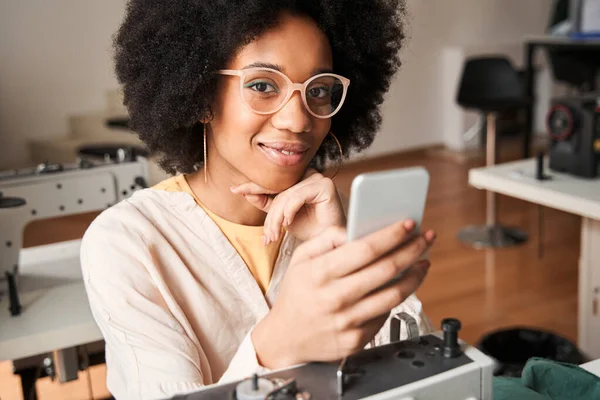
{"points": [[485, 289]]}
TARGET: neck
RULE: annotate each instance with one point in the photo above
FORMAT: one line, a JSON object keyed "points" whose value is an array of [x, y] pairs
{"points": [[216, 196]]}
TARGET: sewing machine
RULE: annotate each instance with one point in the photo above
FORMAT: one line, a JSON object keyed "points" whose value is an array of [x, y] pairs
{"points": [[435, 366], [52, 190], [49, 318]]}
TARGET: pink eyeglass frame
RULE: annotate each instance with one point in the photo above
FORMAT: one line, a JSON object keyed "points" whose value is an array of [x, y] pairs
{"points": [[301, 87]]}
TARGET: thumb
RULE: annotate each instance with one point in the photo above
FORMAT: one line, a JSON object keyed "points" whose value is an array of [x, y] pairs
{"points": [[261, 201]]}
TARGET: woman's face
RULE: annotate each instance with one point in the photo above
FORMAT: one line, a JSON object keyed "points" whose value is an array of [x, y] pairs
{"points": [[270, 150]]}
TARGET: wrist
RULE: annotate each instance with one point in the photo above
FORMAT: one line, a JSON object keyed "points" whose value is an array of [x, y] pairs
{"points": [[271, 351]]}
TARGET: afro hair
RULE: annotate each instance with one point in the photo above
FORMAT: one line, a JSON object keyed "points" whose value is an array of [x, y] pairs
{"points": [[167, 53]]}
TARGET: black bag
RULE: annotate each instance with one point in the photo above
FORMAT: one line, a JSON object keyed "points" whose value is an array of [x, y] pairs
{"points": [[511, 348]]}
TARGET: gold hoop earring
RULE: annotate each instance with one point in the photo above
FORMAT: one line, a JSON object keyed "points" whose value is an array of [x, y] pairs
{"points": [[205, 157], [339, 164]]}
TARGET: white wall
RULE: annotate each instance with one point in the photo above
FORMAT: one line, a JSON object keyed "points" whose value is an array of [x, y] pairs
{"points": [[415, 106], [56, 61]]}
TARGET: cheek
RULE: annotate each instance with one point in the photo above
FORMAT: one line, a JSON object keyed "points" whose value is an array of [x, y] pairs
{"points": [[234, 124], [240, 122], [321, 130]]}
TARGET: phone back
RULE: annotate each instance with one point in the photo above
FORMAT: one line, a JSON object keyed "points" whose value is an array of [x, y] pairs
{"points": [[379, 199]]}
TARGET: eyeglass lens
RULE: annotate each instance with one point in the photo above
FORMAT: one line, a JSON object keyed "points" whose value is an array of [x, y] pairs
{"points": [[265, 91]]}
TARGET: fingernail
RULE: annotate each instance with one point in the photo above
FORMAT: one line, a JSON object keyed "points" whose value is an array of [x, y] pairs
{"points": [[431, 236], [409, 225]]}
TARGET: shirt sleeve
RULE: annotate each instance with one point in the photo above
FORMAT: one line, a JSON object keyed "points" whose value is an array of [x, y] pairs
{"points": [[150, 354], [413, 308]]}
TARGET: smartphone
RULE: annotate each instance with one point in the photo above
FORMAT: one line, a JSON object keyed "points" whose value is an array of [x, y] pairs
{"points": [[379, 199]]}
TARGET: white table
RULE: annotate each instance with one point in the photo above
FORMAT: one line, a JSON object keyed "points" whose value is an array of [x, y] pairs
{"points": [[55, 310], [592, 366], [567, 193]]}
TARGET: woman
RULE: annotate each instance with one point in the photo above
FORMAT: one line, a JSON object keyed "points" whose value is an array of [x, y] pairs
{"points": [[239, 264]]}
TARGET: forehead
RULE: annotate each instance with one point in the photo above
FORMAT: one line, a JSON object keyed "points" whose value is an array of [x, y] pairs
{"points": [[296, 44]]}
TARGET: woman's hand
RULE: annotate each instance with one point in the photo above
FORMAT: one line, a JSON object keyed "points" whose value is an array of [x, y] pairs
{"points": [[333, 301], [306, 209]]}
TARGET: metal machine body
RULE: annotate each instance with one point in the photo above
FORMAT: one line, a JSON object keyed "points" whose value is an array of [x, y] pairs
{"points": [[56, 190], [435, 366], [573, 124]]}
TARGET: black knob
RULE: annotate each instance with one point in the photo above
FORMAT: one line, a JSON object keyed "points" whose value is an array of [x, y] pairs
{"points": [[255, 382], [451, 326], [539, 175], [139, 180], [14, 304], [540, 166]]}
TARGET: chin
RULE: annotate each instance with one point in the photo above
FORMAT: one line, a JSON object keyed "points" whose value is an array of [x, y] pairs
{"points": [[278, 182]]}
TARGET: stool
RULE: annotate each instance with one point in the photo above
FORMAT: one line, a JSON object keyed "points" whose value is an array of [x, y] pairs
{"points": [[490, 85]]}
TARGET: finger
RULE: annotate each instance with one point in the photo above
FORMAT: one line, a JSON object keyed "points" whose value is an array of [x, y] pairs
{"points": [[291, 208], [310, 177], [288, 203], [278, 217], [373, 326], [384, 300], [274, 219], [319, 191], [361, 283], [356, 254], [430, 236], [310, 172], [292, 202], [261, 201], [354, 338], [329, 240], [250, 188], [253, 188]]}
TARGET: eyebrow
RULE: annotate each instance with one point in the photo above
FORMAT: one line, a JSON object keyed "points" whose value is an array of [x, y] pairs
{"points": [[279, 68]]}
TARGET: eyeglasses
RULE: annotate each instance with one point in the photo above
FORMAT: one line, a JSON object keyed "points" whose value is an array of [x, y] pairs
{"points": [[267, 90]]}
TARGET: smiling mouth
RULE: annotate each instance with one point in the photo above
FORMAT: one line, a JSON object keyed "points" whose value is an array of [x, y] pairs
{"points": [[284, 154]]}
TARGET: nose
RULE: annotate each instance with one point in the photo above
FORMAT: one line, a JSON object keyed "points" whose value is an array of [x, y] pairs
{"points": [[293, 116]]}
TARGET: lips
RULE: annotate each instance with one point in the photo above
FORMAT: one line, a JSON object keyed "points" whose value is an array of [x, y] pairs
{"points": [[284, 154]]}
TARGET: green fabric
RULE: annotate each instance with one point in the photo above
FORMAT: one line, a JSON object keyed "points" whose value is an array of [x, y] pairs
{"points": [[548, 380]]}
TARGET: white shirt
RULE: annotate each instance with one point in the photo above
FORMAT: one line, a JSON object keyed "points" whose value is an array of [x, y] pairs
{"points": [[173, 299]]}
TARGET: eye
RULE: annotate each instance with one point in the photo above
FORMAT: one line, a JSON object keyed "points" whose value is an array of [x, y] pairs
{"points": [[261, 87], [319, 92]]}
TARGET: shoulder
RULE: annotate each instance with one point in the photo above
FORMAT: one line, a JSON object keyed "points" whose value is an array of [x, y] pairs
{"points": [[136, 213], [129, 229], [170, 184]]}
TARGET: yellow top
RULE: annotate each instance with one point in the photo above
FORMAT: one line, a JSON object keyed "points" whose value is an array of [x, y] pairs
{"points": [[247, 240]]}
